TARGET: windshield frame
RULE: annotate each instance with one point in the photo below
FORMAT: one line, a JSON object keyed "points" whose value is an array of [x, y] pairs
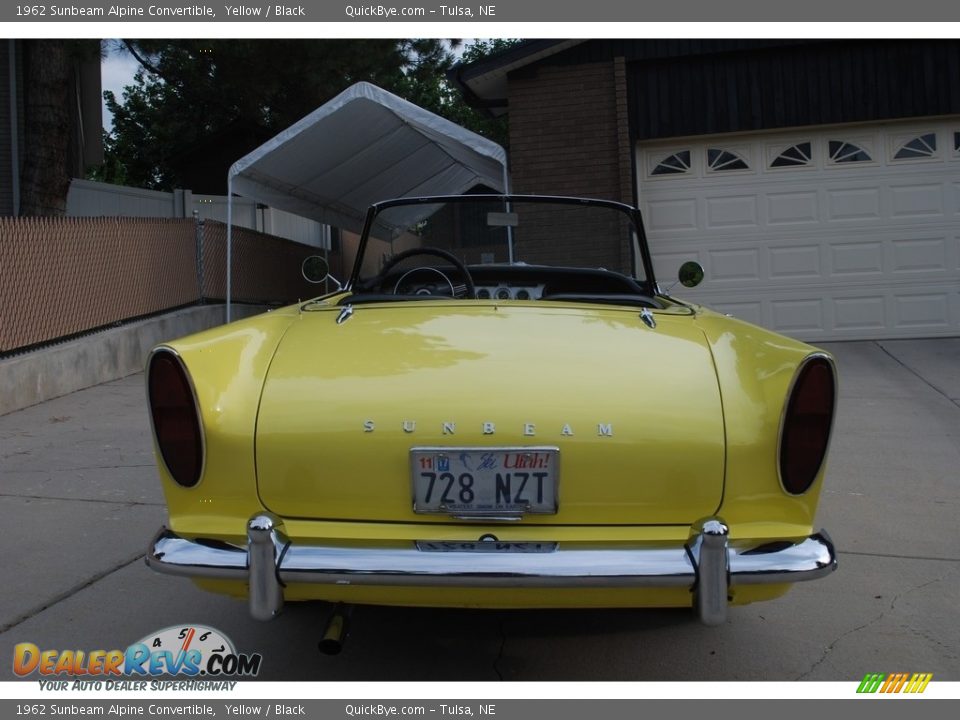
{"points": [[649, 282]]}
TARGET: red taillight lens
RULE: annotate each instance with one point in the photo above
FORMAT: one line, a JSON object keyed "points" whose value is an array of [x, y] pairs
{"points": [[806, 425], [175, 419]]}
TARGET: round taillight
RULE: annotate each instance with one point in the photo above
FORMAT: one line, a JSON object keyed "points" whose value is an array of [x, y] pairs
{"points": [[806, 425], [176, 423]]}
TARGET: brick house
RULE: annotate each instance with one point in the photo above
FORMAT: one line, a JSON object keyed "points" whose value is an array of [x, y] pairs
{"points": [[818, 182]]}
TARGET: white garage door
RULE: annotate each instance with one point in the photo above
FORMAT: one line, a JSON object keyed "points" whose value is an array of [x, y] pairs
{"points": [[846, 233]]}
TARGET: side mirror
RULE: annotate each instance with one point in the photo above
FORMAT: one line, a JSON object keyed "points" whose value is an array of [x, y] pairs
{"points": [[315, 269], [691, 274]]}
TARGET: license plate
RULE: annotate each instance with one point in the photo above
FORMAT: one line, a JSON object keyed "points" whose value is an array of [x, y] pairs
{"points": [[485, 546], [485, 481]]}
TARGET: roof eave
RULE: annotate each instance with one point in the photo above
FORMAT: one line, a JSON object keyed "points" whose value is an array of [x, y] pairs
{"points": [[484, 82]]}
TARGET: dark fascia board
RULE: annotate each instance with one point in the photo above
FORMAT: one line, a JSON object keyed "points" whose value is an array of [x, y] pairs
{"points": [[484, 82]]}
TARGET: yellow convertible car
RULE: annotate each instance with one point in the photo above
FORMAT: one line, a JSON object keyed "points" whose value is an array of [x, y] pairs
{"points": [[501, 407]]}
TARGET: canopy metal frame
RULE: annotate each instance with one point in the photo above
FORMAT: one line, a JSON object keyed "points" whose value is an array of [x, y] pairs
{"points": [[364, 146]]}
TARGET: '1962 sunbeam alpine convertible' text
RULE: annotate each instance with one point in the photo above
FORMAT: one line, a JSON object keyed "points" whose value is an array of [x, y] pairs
{"points": [[499, 407]]}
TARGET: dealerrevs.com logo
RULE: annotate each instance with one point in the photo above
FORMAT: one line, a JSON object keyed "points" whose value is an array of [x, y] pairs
{"points": [[180, 650], [894, 683]]}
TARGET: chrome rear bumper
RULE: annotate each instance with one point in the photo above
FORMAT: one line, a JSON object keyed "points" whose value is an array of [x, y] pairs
{"points": [[709, 563]]}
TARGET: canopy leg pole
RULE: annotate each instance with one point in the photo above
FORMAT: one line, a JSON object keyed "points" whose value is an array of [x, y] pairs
{"points": [[229, 241]]}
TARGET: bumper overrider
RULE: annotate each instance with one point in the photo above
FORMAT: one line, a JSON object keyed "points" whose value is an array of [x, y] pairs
{"points": [[709, 563]]}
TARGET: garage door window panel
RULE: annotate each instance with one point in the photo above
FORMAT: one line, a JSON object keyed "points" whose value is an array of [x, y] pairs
{"points": [[920, 147], [795, 156], [842, 152], [677, 163], [720, 160]]}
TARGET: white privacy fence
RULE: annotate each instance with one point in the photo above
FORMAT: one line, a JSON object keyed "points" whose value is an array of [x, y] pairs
{"points": [[88, 198]]}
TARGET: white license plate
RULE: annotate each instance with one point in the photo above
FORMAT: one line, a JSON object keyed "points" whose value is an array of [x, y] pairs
{"points": [[485, 481]]}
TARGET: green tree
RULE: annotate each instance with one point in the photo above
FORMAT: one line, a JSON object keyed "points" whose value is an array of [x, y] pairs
{"points": [[478, 120], [196, 106]]}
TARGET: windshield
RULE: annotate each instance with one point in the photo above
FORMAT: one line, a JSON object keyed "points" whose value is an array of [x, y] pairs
{"points": [[482, 231]]}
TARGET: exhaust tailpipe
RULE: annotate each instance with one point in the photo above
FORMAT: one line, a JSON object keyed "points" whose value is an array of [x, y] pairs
{"points": [[337, 630]]}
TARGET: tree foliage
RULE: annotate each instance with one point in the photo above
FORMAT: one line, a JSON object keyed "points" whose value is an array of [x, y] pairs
{"points": [[479, 121], [196, 106]]}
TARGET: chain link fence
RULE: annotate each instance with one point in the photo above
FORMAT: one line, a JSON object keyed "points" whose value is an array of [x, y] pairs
{"points": [[64, 276]]}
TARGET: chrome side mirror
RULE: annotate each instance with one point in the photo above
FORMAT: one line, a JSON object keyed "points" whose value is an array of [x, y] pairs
{"points": [[315, 269], [691, 274]]}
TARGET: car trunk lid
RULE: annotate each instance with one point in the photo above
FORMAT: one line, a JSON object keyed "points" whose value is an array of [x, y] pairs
{"points": [[634, 412]]}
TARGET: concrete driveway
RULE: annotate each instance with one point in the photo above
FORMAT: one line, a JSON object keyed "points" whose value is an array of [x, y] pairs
{"points": [[79, 500]]}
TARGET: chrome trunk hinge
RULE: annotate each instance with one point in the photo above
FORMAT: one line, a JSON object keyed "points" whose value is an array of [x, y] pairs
{"points": [[648, 318]]}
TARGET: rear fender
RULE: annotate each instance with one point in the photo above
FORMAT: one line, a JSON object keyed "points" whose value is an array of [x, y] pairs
{"points": [[755, 369], [227, 366]]}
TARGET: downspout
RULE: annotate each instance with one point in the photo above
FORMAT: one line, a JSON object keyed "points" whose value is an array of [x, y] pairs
{"points": [[506, 191], [14, 131]]}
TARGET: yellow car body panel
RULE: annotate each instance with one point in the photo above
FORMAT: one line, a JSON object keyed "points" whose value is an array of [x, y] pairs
{"points": [[331, 442]]}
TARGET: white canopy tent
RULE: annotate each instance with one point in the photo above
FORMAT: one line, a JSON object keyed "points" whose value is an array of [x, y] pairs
{"points": [[363, 146]]}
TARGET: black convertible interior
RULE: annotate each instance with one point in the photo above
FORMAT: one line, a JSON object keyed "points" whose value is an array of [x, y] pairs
{"points": [[434, 279]]}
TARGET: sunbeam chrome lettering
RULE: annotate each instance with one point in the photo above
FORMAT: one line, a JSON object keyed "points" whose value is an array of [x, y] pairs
{"points": [[529, 429]]}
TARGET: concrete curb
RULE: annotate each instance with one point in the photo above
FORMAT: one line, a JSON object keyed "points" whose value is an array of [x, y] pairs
{"points": [[50, 372]]}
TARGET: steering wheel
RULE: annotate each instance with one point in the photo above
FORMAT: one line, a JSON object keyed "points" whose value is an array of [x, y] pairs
{"points": [[471, 290]]}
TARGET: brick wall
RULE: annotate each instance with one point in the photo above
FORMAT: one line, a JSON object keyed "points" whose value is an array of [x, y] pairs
{"points": [[569, 135], [569, 132], [625, 151]]}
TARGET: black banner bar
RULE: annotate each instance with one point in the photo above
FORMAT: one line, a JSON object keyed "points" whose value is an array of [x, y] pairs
{"points": [[487, 11], [408, 709]]}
